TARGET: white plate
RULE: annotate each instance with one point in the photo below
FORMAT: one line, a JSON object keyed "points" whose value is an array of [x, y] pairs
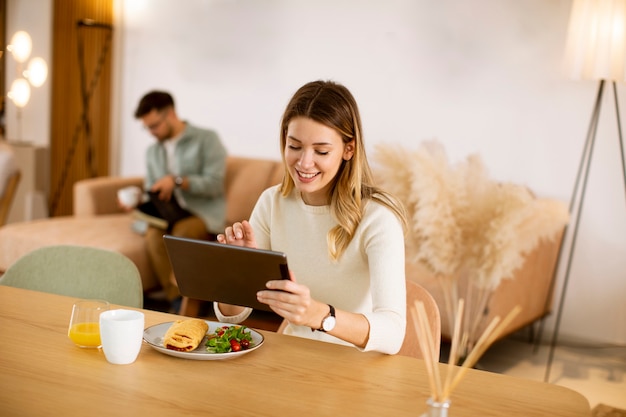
{"points": [[153, 336]]}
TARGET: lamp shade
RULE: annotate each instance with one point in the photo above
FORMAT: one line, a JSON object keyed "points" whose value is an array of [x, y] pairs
{"points": [[596, 40], [19, 92], [21, 46]]}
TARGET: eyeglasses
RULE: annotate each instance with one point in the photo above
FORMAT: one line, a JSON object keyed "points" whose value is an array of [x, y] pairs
{"points": [[154, 126]]}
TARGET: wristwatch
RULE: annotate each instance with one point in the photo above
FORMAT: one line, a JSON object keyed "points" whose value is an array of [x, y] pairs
{"points": [[178, 180], [329, 321]]}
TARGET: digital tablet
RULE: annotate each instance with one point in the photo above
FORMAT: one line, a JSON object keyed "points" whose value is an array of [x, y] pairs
{"points": [[212, 271]]}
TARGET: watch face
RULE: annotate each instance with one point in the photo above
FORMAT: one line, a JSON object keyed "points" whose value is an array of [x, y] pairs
{"points": [[329, 323]]}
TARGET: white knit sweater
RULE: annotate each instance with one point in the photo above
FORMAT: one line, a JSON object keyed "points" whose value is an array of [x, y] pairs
{"points": [[368, 278]]}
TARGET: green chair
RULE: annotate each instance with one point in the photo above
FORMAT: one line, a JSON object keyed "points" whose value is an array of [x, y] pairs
{"points": [[78, 271]]}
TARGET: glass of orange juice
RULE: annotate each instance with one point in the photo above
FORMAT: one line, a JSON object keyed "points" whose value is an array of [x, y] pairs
{"points": [[84, 329]]}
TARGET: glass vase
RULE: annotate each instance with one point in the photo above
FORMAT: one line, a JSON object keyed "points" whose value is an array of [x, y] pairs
{"points": [[436, 408]]}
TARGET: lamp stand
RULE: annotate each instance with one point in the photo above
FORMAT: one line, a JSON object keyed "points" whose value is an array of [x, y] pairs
{"points": [[578, 195], [18, 116]]}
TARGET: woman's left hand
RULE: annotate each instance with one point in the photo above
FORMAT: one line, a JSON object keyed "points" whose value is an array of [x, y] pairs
{"points": [[293, 302]]}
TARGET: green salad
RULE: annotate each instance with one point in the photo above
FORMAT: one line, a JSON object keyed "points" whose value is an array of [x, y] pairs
{"points": [[229, 339]]}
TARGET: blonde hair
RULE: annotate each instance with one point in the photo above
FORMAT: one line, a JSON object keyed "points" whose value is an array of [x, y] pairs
{"points": [[333, 105]]}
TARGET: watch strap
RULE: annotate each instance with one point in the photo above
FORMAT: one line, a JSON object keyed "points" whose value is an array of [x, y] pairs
{"points": [[331, 313]]}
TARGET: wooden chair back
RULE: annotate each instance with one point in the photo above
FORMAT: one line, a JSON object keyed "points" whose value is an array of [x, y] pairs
{"points": [[415, 292]]}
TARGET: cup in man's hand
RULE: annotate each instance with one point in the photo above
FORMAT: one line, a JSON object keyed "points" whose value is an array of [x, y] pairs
{"points": [[129, 196]]}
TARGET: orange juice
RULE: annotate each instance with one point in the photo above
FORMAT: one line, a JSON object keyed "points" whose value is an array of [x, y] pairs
{"points": [[85, 334]]}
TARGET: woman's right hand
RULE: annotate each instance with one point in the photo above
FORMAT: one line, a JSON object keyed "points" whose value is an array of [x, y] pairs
{"points": [[239, 234]]}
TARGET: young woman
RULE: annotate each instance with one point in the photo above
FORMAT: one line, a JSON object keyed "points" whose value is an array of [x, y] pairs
{"points": [[344, 237]]}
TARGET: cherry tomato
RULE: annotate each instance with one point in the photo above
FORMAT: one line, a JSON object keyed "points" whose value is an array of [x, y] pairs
{"points": [[245, 344], [235, 346]]}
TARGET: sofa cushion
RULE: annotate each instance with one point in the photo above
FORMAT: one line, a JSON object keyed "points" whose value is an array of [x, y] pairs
{"points": [[112, 232], [245, 180]]}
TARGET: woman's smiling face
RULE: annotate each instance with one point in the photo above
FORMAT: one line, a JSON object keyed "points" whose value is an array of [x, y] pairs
{"points": [[313, 153]]}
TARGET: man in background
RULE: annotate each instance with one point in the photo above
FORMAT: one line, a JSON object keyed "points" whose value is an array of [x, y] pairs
{"points": [[186, 163]]}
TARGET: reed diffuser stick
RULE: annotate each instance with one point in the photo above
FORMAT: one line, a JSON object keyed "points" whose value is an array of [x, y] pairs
{"points": [[434, 356], [490, 334], [454, 374], [425, 348], [454, 348]]}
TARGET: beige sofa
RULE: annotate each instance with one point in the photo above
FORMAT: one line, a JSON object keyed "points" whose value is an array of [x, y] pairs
{"points": [[97, 221], [530, 288]]}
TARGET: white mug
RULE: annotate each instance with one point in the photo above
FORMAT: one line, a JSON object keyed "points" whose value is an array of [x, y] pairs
{"points": [[129, 196], [121, 332]]}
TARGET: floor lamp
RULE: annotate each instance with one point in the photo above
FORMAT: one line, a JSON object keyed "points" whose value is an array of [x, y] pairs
{"points": [[596, 49]]}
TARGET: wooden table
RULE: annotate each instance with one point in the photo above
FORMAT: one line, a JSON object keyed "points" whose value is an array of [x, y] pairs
{"points": [[42, 373]]}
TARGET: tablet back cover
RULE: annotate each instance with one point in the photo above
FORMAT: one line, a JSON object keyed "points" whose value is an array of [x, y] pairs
{"points": [[229, 274]]}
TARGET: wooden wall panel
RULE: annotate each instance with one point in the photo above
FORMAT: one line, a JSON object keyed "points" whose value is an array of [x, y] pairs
{"points": [[79, 144]]}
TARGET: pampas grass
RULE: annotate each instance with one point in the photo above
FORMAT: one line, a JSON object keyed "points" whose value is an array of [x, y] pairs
{"points": [[462, 223]]}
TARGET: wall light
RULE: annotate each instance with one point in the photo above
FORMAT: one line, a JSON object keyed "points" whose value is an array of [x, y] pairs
{"points": [[21, 46], [19, 92], [36, 71]]}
